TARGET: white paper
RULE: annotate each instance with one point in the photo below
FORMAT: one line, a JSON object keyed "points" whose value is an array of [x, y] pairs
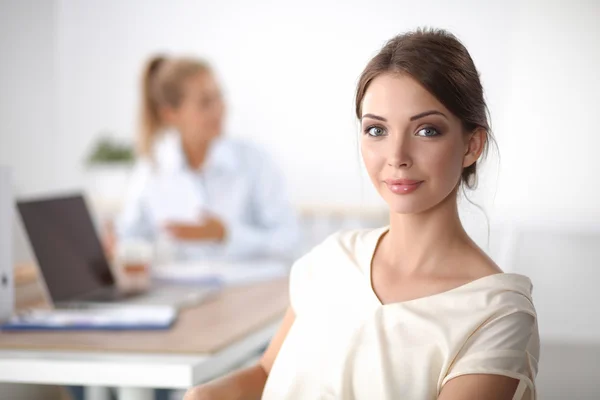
{"points": [[174, 197]]}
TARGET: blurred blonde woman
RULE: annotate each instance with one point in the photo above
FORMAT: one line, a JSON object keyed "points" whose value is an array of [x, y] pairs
{"points": [[213, 196]]}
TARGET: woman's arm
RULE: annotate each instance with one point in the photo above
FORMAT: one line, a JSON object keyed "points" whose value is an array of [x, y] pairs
{"points": [[272, 230], [248, 383], [245, 384], [210, 228], [479, 387]]}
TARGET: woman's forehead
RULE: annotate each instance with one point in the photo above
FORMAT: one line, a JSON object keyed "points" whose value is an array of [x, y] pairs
{"points": [[399, 96]]}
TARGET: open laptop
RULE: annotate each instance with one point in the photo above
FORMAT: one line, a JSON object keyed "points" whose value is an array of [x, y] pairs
{"points": [[73, 263]]}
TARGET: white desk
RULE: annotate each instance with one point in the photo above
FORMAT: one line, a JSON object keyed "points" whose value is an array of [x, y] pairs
{"points": [[206, 341], [135, 375]]}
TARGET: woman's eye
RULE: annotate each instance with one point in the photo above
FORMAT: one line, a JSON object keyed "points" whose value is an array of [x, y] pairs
{"points": [[427, 132], [375, 131]]}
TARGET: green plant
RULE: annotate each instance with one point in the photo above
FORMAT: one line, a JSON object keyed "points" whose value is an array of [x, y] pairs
{"points": [[110, 151]]}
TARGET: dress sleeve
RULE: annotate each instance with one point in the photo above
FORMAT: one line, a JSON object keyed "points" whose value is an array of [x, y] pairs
{"points": [[300, 282], [507, 345]]}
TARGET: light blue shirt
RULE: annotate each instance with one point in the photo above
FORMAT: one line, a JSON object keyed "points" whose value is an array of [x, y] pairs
{"points": [[237, 183]]}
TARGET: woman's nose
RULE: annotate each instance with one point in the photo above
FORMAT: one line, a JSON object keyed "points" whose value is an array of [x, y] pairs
{"points": [[400, 153]]}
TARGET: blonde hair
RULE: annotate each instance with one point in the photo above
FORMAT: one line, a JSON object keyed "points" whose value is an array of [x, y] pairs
{"points": [[162, 85]]}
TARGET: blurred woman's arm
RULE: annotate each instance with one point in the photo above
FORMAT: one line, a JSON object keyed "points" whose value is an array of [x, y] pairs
{"points": [[210, 228], [248, 383]]}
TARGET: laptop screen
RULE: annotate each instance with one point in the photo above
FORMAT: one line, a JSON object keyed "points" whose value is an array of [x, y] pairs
{"points": [[66, 246]]}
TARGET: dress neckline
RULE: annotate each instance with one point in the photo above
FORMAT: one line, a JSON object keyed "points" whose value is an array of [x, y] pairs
{"points": [[519, 280]]}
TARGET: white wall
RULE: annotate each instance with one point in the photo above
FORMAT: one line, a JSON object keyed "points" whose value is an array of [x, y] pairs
{"points": [[289, 69], [71, 70], [28, 106], [548, 132], [28, 102], [28, 116]]}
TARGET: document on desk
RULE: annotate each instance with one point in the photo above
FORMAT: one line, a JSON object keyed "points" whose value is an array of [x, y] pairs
{"points": [[221, 272], [174, 198], [95, 318]]}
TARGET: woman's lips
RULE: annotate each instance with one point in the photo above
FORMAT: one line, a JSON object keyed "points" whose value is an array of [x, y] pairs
{"points": [[402, 186]]}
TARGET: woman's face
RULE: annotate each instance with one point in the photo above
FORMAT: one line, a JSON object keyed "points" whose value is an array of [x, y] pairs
{"points": [[199, 116], [413, 148]]}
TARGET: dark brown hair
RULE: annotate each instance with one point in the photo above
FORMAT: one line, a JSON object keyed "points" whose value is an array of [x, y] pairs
{"points": [[162, 85], [441, 64]]}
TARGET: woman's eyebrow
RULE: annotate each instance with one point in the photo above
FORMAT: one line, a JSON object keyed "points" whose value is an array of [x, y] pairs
{"points": [[413, 118], [373, 116], [426, 113]]}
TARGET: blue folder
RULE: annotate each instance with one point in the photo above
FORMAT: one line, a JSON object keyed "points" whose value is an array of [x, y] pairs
{"points": [[113, 318]]}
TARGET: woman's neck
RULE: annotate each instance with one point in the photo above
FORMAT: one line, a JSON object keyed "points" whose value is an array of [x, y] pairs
{"points": [[419, 243], [195, 154]]}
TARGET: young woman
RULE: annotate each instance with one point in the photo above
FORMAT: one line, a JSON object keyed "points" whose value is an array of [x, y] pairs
{"points": [[414, 310], [215, 196]]}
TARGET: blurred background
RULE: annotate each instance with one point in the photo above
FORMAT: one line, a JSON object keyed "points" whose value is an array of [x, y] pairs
{"points": [[70, 74]]}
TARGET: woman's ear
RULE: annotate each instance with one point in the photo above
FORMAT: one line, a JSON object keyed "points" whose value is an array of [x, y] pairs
{"points": [[474, 146]]}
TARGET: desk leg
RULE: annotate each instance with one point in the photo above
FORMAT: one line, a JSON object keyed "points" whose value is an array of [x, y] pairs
{"points": [[127, 393], [96, 393]]}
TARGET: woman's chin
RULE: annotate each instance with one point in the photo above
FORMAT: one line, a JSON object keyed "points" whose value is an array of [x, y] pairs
{"points": [[407, 204], [417, 203]]}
